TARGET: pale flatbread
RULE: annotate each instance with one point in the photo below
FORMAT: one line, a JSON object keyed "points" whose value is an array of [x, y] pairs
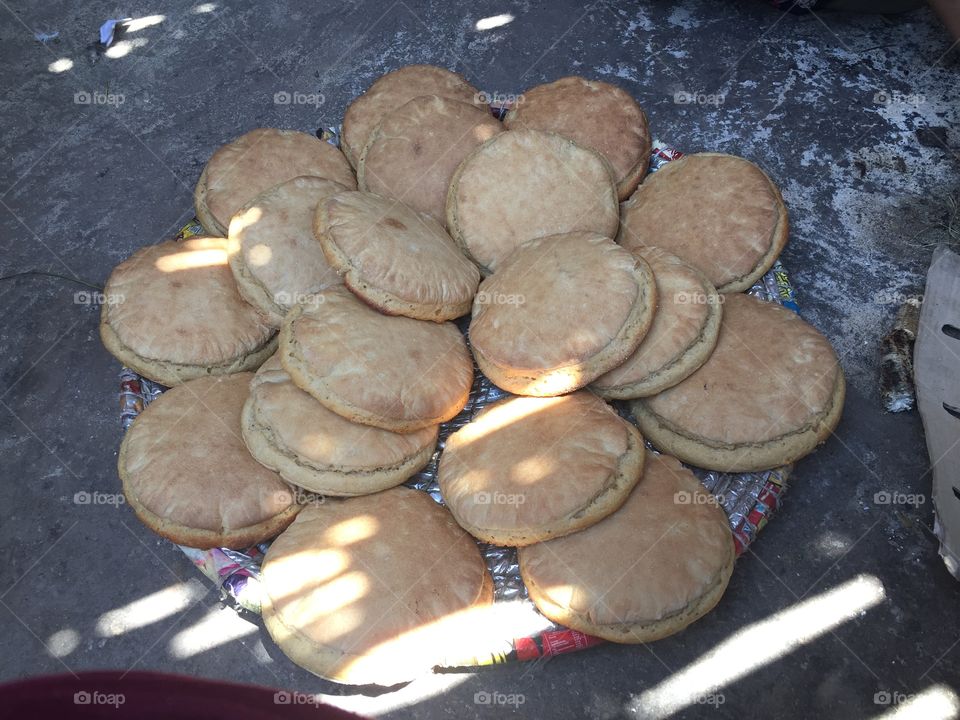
{"points": [[310, 446], [415, 150], [390, 372], [398, 260], [529, 469], [681, 338], [173, 313], [525, 184], [374, 589], [595, 114], [189, 477], [560, 312], [392, 90], [772, 391], [275, 259], [256, 161], [657, 564], [720, 213]]}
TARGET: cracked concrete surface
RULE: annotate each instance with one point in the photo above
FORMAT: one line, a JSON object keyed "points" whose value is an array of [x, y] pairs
{"points": [[854, 116]]}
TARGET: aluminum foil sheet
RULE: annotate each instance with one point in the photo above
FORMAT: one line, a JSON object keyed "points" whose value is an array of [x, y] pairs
{"points": [[749, 499]]}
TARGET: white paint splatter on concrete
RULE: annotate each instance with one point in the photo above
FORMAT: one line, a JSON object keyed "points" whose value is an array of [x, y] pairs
{"points": [[682, 17], [626, 72]]}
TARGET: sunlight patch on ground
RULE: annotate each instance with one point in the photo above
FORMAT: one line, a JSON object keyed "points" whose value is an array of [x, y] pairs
{"points": [[494, 21], [750, 648]]}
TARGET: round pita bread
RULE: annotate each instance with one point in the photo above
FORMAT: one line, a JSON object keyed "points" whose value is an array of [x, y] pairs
{"points": [[596, 115], [414, 151], [374, 589], [188, 476], [312, 447], [560, 312], [719, 213], [173, 313], [528, 469], [681, 338], [647, 571], [525, 184], [256, 161], [274, 256], [772, 391], [390, 372], [396, 259], [389, 92]]}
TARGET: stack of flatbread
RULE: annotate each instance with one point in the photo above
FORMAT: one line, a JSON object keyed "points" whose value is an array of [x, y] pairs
{"points": [[310, 344]]}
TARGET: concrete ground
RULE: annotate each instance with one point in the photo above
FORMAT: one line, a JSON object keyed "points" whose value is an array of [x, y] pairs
{"points": [[842, 608]]}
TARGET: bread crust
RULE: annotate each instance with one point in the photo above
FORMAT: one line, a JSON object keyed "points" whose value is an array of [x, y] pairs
{"points": [[396, 259], [405, 401], [681, 291], [730, 205], [256, 161], [351, 460], [534, 347], [170, 373], [590, 429], [742, 457], [415, 149], [160, 490], [278, 224], [772, 390], [402, 605], [525, 184], [595, 114], [668, 551], [173, 313], [389, 92]]}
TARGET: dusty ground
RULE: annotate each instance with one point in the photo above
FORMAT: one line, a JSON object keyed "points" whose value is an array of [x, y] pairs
{"points": [[840, 610]]}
